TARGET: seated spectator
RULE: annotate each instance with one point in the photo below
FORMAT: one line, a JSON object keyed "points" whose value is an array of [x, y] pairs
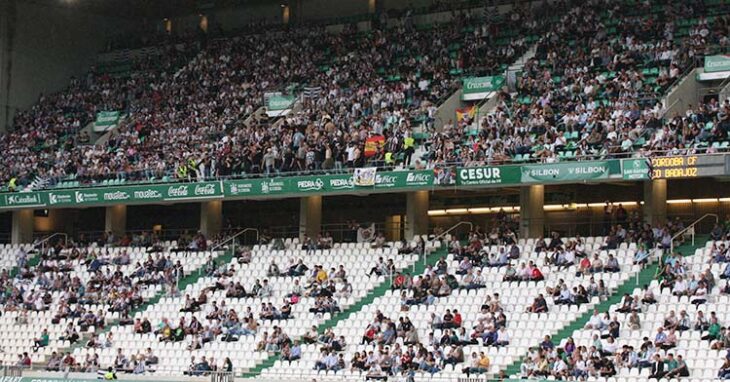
{"points": [[539, 305], [676, 368], [478, 365], [41, 341]]}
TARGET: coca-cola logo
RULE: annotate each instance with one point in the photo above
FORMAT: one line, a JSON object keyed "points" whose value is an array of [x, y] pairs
{"points": [[208, 189], [177, 191]]}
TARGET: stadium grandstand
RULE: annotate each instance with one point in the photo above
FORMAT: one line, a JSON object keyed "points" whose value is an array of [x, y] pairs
{"points": [[351, 190]]}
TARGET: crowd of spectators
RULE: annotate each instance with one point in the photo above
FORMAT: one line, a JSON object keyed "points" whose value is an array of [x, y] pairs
{"points": [[593, 89], [87, 284], [191, 123], [44, 141], [587, 91]]}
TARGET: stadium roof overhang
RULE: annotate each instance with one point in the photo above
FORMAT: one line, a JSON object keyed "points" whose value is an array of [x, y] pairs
{"points": [[150, 8]]}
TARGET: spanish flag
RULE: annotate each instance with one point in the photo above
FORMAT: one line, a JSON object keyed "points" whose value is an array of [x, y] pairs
{"points": [[372, 145], [464, 112]]}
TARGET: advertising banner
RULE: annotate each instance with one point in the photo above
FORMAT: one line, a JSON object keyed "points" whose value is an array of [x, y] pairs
{"points": [[394, 180], [480, 176], [367, 180], [476, 88], [278, 104], [635, 169], [106, 120], [135, 194], [719, 63], [364, 177], [569, 171]]}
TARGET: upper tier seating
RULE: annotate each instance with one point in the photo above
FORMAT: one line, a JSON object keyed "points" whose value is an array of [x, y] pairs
{"points": [[594, 87], [375, 82]]}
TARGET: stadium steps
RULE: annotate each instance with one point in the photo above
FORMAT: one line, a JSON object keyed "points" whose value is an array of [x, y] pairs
{"points": [[645, 276], [190, 279], [378, 291]]}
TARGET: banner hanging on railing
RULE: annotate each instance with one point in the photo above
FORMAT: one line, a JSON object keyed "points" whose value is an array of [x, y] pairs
{"points": [[635, 169], [364, 177], [106, 120], [476, 88], [366, 180], [718, 63], [278, 104], [569, 171], [393, 180]]}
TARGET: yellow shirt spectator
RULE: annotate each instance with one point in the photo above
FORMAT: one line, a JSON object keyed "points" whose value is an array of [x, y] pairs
{"points": [[321, 276], [484, 362]]}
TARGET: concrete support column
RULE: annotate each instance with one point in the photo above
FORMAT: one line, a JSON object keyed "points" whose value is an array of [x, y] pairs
{"points": [[532, 213], [310, 216], [416, 223], [211, 217], [22, 230], [115, 220], [655, 201], [393, 225]]}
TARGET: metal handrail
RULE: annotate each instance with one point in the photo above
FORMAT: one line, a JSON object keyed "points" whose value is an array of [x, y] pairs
{"points": [[145, 180], [691, 227], [666, 109], [232, 238], [722, 93], [43, 241], [442, 234]]}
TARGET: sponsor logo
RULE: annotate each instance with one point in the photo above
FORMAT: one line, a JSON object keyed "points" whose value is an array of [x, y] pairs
{"points": [[23, 199], [310, 185], [417, 178], [54, 198], [85, 197], [272, 185], [107, 119], [637, 170], [385, 180], [116, 195], [147, 194], [280, 102], [481, 175], [588, 170], [472, 85], [543, 172], [177, 191], [718, 62], [342, 184], [208, 189], [241, 188]]}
